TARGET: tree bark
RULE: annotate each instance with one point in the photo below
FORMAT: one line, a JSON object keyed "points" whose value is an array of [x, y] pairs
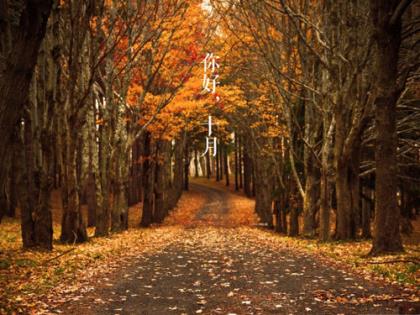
{"points": [[264, 189], [247, 174], [310, 198], [148, 181], [12, 185], [22, 29], [26, 187], [236, 163], [208, 165], [226, 164], [294, 222], [218, 166], [387, 24], [73, 228], [161, 180], [187, 165], [102, 181], [366, 213], [196, 163], [240, 160], [345, 217]]}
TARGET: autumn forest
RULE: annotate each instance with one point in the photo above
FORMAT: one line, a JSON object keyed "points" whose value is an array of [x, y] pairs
{"points": [[214, 157]]}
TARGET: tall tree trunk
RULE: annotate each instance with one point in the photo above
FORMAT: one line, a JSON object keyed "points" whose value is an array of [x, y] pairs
{"points": [[240, 160], [386, 16], [355, 185], [263, 197], [278, 227], [226, 164], [221, 160], [119, 213], [73, 228], [26, 186], [247, 174], [208, 165], [310, 198], [91, 199], [179, 165], [311, 194], [294, 222], [196, 163], [148, 181], [217, 157], [345, 215], [366, 213], [187, 165], [294, 211], [161, 187], [324, 211], [12, 185], [236, 163], [202, 163], [345, 218], [92, 171], [101, 168], [22, 30], [41, 139], [284, 219]]}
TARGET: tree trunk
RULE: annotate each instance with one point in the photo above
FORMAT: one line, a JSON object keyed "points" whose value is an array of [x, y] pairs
{"points": [[73, 229], [187, 165], [263, 197], [26, 187], [240, 160], [366, 213], [236, 163], [387, 24], [247, 174], [277, 210], [208, 165], [161, 187], [345, 216], [148, 181], [22, 31], [310, 199], [294, 222], [311, 189], [284, 219], [202, 162], [324, 212], [355, 185], [196, 163], [12, 185], [218, 166], [91, 199], [101, 168], [178, 181], [119, 214], [92, 171], [226, 164]]}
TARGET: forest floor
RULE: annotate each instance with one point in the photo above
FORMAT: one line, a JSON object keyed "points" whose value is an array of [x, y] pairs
{"points": [[209, 257]]}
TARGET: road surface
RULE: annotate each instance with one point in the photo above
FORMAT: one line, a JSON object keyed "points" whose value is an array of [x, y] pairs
{"points": [[217, 269]]}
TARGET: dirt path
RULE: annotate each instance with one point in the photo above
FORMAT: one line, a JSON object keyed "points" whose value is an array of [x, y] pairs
{"points": [[214, 269], [214, 211]]}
